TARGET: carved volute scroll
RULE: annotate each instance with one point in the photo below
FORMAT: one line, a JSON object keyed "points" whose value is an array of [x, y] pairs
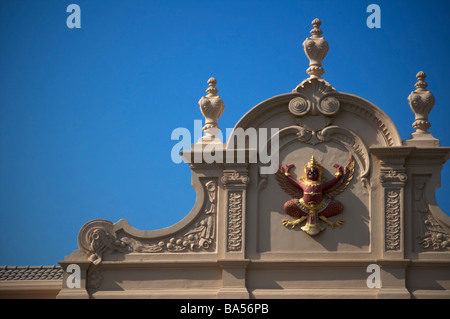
{"points": [[315, 98], [98, 236]]}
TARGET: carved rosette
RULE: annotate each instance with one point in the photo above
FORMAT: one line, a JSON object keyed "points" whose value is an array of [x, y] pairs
{"points": [[421, 102]]}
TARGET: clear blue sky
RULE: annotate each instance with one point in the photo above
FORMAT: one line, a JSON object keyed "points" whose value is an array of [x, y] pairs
{"points": [[86, 115]]}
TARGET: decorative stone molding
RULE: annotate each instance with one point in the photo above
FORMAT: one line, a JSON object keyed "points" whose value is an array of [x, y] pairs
{"points": [[392, 219], [344, 137], [235, 183], [393, 178], [234, 177], [390, 175], [234, 239], [99, 236], [228, 246], [199, 238], [435, 236], [372, 114], [431, 234], [315, 97], [389, 178], [96, 237]]}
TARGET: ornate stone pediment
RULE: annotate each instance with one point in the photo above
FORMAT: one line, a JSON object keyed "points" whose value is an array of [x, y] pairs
{"points": [[233, 244]]}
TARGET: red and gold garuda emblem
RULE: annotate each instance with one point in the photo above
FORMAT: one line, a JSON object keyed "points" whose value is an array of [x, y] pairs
{"points": [[313, 197]]}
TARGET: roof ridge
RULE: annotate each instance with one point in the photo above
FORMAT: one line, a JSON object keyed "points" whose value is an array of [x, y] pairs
{"points": [[6, 267]]}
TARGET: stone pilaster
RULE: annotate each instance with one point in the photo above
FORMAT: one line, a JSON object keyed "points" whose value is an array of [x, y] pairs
{"points": [[233, 263], [393, 178], [235, 183]]}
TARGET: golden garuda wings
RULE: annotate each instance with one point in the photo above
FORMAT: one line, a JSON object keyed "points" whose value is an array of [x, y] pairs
{"points": [[286, 185], [347, 176]]}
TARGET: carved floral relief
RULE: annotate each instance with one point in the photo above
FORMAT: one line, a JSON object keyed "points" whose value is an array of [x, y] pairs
{"points": [[392, 219], [99, 237]]}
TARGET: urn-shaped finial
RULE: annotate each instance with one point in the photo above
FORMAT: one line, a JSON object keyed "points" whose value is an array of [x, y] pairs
{"points": [[421, 102], [316, 49], [212, 108]]}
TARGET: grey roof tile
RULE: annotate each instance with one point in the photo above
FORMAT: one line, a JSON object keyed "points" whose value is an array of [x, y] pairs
{"points": [[31, 273]]}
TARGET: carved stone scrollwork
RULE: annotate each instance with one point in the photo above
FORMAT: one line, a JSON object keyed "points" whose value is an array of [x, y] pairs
{"points": [[234, 240], [392, 176], [98, 236], [431, 234], [234, 177], [200, 237], [435, 235], [236, 183], [328, 105], [393, 181], [315, 98], [392, 220], [298, 106], [348, 139]]}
